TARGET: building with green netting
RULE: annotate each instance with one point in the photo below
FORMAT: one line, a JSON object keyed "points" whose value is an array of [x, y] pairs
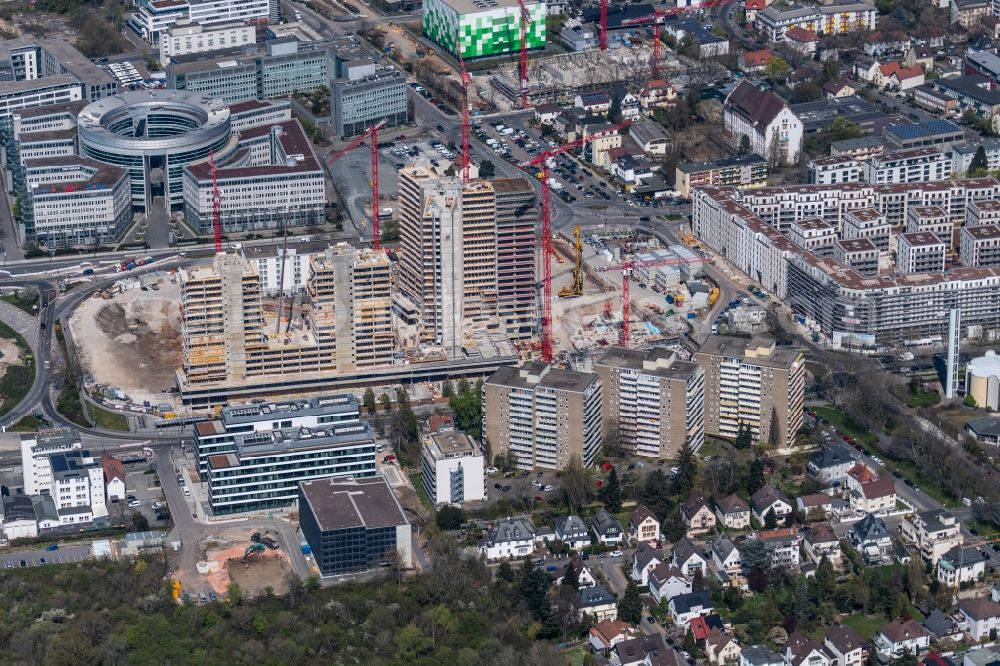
{"points": [[484, 27]]}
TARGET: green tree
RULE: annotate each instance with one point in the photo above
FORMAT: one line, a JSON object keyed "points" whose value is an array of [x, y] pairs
{"points": [[687, 469], [841, 129], [673, 525], [449, 517], [777, 69], [440, 621], [615, 112], [979, 165], [574, 483], [744, 148], [612, 492], [571, 577], [770, 520], [468, 408], [447, 388], [402, 398], [630, 605], [744, 437], [487, 169], [755, 478], [411, 643], [969, 401], [756, 560], [369, 400]]}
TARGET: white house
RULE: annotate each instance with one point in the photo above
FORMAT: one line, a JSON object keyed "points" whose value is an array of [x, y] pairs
{"points": [[933, 533], [983, 616], [872, 539], [572, 531], [733, 512], [609, 531], [766, 500], [721, 647], [898, 636], [698, 516], [875, 496], [665, 583], [597, 602], [508, 538], [547, 113], [726, 555], [960, 565], [608, 633], [803, 651], [764, 118], [645, 560], [583, 575], [846, 646], [820, 542], [685, 607], [114, 477], [783, 545], [643, 525], [593, 102], [687, 557]]}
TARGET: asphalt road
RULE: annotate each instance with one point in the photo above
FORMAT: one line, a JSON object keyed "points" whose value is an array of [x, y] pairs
{"points": [[34, 558]]}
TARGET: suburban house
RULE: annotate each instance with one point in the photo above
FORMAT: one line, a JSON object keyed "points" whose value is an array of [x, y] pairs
{"points": [[547, 113], [685, 607], [609, 531], [698, 516], [726, 555], [866, 69], [643, 525], [701, 625], [608, 633], [572, 531], [583, 575], [802, 40], [879, 43], [733, 512], [846, 646], [593, 102], [875, 496], [783, 544], [656, 94], [899, 636], [820, 542], [933, 533], [597, 602], [872, 539], [114, 477], [687, 557], [961, 565], [816, 506], [765, 119], [831, 464], [983, 616], [754, 62], [645, 559], [508, 538], [942, 627], [767, 499], [665, 583], [803, 651], [641, 651], [837, 88], [628, 102], [858, 475], [894, 76], [760, 655], [721, 647]]}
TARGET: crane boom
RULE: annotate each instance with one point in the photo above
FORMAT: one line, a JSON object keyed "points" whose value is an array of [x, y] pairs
{"points": [[626, 268], [466, 154], [577, 288], [370, 133], [604, 25], [523, 69], [216, 204]]}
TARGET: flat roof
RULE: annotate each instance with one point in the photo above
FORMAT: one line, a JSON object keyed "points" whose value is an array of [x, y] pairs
{"points": [[852, 245], [657, 361], [921, 239], [926, 211], [537, 374], [351, 503], [813, 224], [779, 357], [986, 206], [711, 165], [451, 444], [983, 232]]}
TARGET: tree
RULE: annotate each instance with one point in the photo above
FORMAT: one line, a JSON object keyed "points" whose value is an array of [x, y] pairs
{"points": [[770, 520], [630, 605], [774, 432], [574, 484], [777, 69], [744, 145], [385, 401], [369, 400], [687, 469], [487, 169], [440, 621], [841, 129], [969, 401], [450, 517], [755, 478], [615, 112], [572, 577], [979, 165], [612, 492], [775, 152], [613, 446], [674, 528], [402, 398], [744, 437], [447, 389], [468, 407], [756, 560]]}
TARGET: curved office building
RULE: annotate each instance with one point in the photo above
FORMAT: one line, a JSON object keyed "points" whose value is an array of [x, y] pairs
{"points": [[154, 134]]}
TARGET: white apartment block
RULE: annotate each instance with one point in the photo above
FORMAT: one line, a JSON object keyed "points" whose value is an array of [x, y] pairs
{"points": [[814, 234], [919, 252], [979, 213], [36, 450], [184, 38], [832, 19], [764, 118], [979, 247], [859, 254], [653, 401], [867, 223], [932, 219], [834, 170], [908, 166], [155, 17], [77, 485], [963, 153], [283, 270], [452, 465]]}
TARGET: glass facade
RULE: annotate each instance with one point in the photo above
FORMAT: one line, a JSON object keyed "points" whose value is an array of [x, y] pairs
{"points": [[349, 550], [487, 31]]}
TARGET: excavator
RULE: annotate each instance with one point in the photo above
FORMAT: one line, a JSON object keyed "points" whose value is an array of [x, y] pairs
{"points": [[253, 549], [576, 290]]}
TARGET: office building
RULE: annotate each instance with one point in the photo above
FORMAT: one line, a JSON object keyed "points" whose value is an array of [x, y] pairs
{"points": [[827, 19], [366, 94], [218, 436], [755, 384], [265, 468], [77, 489], [37, 449], [653, 401], [154, 18], [184, 38], [979, 247], [813, 234], [543, 415], [43, 67], [451, 466], [748, 170], [919, 252], [867, 223], [834, 169], [858, 254], [919, 165], [354, 525], [483, 27], [930, 219]]}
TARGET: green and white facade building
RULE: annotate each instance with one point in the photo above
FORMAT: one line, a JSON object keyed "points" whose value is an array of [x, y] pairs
{"points": [[484, 27]]}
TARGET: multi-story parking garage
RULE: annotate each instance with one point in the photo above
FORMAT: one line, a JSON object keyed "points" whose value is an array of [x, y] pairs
{"points": [[154, 134]]}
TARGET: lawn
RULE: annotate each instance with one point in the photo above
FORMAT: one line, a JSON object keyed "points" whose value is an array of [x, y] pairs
{"points": [[69, 405], [108, 420], [846, 424], [27, 424], [576, 656], [27, 304], [418, 484], [864, 625], [17, 380], [916, 396]]}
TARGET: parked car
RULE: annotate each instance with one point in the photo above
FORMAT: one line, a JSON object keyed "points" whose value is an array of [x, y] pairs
{"points": [[52, 546], [492, 470]]}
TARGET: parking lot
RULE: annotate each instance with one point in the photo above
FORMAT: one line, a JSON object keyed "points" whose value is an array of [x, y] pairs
{"points": [[36, 558], [147, 491]]}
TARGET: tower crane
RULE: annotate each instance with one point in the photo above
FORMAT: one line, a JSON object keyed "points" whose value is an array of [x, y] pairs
{"points": [[466, 154], [370, 133], [626, 268], [523, 70], [541, 160], [604, 25], [577, 288], [216, 204], [656, 18]]}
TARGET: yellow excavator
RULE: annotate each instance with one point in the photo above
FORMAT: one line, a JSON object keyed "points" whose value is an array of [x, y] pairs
{"points": [[577, 289]]}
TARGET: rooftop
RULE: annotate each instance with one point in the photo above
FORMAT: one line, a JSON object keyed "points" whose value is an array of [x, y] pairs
{"points": [[762, 350], [921, 239], [657, 362], [340, 504], [983, 232], [451, 444], [929, 128], [852, 245], [725, 162], [537, 374]]}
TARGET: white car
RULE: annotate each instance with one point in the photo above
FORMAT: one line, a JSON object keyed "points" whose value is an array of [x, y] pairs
{"points": [[878, 461], [546, 489], [187, 492], [675, 470], [379, 448], [134, 503], [536, 483], [492, 470], [615, 553]]}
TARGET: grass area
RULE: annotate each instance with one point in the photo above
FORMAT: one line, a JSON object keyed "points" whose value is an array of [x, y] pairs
{"points": [[27, 304], [108, 420], [846, 424], [916, 396], [69, 405], [576, 656], [928, 487], [418, 484], [27, 424], [17, 379], [863, 624]]}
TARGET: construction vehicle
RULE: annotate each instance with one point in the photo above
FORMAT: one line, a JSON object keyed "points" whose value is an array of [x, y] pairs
{"points": [[713, 296], [576, 290], [265, 540], [253, 549]]}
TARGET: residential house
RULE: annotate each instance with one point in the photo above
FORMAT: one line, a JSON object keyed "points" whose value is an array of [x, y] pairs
{"points": [[547, 113], [733, 512], [114, 477], [875, 496], [933, 532], [646, 558], [639, 651], [651, 137], [631, 170], [657, 94], [697, 515], [872, 539], [803, 651], [983, 616], [685, 607], [837, 88], [665, 583], [701, 625], [858, 475], [752, 7], [687, 557], [820, 542], [846, 646], [726, 555], [629, 103], [584, 576], [609, 531], [565, 124], [760, 655], [754, 62], [969, 13], [881, 43], [572, 531], [866, 69], [643, 525], [597, 102], [894, 76], [508, 538], [961, 565], [763, 117], [817, 506], [783, 545], [802, 39], [597, 602], [768, 500], [831, 464], [608, 633], [900, 636], [721, 647], [941, 627]]}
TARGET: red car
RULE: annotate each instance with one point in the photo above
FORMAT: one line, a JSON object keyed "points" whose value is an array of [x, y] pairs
{"points": [[539, 498], [389, 459], [599, 483], [847, 439], [401, 137], [607, 467]]}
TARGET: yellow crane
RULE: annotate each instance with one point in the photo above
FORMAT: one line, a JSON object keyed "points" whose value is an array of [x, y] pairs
{"points": [[577, 288]]}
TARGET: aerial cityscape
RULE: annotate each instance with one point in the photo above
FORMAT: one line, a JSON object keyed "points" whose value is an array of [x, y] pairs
{"points": [[500, 332]]}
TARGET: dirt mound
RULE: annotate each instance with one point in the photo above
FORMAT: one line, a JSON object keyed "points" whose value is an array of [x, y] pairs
{"points": [[111, 320], [259, 573]]}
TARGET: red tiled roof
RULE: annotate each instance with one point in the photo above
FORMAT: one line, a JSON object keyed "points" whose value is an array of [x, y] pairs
{"points": [[113, 468], [897, 631], [799, 34], [900, 72], [757, 58], [699, 628], [877, 489], [862, 473]]}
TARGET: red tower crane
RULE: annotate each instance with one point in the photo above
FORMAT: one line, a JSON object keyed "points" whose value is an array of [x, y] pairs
{"points": [[216, 204], [525, 22], [657, 18], [466, 154], [626, 268], [370, 133], [604, 25], [540, 161]]}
